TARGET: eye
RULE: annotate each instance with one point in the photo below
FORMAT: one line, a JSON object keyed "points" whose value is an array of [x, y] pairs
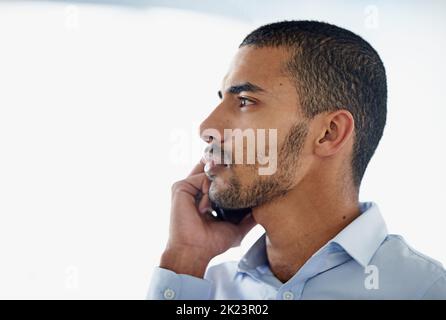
{"points": [[244, 102]]}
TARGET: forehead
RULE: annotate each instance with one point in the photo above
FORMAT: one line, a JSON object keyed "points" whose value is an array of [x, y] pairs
{"points": [[261, 66]]}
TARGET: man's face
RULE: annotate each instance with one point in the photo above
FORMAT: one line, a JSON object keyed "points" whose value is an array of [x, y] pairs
{"points": [[256, 94]]}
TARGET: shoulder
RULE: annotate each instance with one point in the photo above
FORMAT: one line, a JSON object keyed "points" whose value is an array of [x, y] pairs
{"points": [[403, 266], [396, 249]]}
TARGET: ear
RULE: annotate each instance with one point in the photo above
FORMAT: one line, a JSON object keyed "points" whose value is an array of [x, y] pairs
{"points": [[336, 130]]}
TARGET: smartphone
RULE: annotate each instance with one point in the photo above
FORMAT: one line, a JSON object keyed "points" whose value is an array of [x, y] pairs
{"points": [[231, 215]]}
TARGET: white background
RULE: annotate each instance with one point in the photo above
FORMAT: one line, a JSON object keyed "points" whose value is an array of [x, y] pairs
{"points": [[99, 114]]}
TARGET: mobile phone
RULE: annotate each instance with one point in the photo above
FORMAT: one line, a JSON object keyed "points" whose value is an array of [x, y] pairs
{"points": [[231, 215]]}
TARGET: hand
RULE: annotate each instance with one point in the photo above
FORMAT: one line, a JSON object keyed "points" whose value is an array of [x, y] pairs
{"points": [[195, 236]]}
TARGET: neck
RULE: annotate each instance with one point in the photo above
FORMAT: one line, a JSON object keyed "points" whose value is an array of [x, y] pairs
{"points": [[302, 221]]}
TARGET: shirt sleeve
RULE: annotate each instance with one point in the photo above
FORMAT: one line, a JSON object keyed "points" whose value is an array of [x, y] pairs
{"points": [[168, 285], [437, 291]]}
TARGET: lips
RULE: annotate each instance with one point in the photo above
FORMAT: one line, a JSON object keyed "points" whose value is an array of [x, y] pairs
{"points": [[214, 159], [213, 164]]}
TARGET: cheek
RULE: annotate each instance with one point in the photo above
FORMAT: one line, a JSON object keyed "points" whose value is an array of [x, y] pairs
{"points": [[244, 174]]}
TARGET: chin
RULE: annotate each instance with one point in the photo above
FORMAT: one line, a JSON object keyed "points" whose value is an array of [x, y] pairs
{"points": [[218, 185]]}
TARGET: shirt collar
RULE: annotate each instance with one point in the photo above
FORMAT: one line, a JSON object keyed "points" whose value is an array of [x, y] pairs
{"points": [[255, 256], [360, 239], [364, 235]]}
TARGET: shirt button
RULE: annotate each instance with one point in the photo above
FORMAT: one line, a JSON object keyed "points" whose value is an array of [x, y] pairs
{"points": [[169, 294], [288, 295]]}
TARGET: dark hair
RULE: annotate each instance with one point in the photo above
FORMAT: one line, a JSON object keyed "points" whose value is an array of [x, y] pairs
{"points": [[333, 69]]}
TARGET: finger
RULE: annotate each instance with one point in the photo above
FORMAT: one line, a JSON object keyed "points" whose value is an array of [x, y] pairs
{"points": [[192, 185], [206, 185], [199, 181], [198, 168], [205, 204]]}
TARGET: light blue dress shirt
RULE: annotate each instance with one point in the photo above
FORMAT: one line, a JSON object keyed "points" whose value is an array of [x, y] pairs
{"points": [[363, 261]]}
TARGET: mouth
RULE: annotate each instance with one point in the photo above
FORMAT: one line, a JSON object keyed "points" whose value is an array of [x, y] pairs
{"points": [[215, 161], [212, 168]]}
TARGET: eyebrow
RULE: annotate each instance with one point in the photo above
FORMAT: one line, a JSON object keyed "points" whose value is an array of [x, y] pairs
{"points": [[246, 86]]}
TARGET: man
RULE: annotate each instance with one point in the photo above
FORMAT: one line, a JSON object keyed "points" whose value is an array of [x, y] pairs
{"points": [[324, 89]]}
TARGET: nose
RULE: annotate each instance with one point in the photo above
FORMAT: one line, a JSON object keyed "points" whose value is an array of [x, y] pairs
{"points": [[212, 128], [207, 135]]}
